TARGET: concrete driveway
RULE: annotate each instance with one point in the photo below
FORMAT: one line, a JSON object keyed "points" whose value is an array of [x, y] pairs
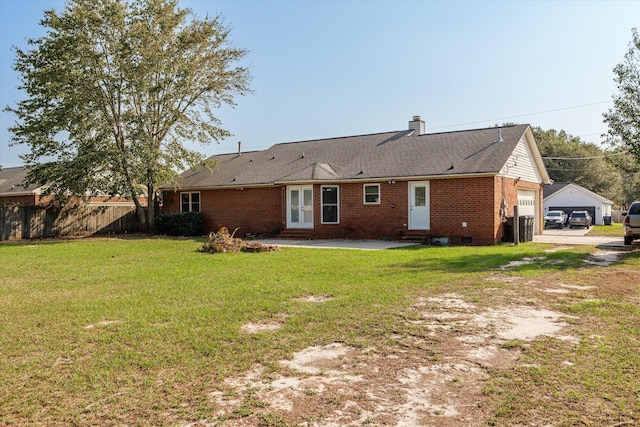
{"points": [[576, 236]]}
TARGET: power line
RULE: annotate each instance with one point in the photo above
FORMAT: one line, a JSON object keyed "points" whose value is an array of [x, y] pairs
{"points": [[523, 115], [586, 158], [574, 158], [565, 169]]}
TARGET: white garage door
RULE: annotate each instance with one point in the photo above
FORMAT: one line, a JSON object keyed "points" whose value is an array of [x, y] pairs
{"points": [[526, 202]]}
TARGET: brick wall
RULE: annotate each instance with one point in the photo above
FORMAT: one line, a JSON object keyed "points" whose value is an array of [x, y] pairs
{"points": [[252, 210], [510, 190], [474, 201], [26, 200], [464, 209], [370, 221]]}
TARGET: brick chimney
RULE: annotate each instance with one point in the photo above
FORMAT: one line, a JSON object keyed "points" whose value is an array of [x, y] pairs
{"points": [[417, 125]]}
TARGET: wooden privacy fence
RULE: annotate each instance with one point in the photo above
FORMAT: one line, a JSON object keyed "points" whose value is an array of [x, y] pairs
{"points": [[35, 222], [616, 215]]}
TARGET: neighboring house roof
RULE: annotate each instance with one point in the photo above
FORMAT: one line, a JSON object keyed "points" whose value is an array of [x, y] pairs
{"points": [[555, 190], [11, 182], [549, 189], [398, 154]]}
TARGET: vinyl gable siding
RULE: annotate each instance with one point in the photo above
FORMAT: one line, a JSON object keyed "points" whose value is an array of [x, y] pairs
{"points": [[521, 164]]}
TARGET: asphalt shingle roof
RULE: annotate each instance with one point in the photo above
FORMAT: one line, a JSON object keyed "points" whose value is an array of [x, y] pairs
{"points": [[11, 181], [550, 189], [395, 154]]}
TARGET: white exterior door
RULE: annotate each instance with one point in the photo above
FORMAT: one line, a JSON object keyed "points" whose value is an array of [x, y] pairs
{"points": [[300, 206], [419, 214]]}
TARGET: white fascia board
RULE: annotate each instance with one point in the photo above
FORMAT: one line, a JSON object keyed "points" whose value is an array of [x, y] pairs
{"points": [[537, 157]]}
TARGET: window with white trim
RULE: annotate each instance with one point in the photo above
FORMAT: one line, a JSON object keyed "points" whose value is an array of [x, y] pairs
{"points": [[371, 194], [189, 202], [330, 206]]}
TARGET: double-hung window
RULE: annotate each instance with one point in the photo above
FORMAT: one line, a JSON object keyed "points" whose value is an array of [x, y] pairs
{"points": [[189, 202], [371, 194], [330, 207]]}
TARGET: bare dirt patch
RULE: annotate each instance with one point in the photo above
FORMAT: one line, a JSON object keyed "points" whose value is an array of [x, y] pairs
{"points": [[102, 323], [433, 378], [604, 257], [254, 328], [314, 298], [335, 385], [433, 373], [523, 261]]}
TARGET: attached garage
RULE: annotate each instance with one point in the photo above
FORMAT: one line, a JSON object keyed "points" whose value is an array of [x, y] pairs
{"points": [[526, 203], [527, 206]]}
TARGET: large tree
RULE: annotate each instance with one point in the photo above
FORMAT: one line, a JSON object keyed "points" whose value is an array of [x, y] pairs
{"points": [[115, 89], [569, 159], [623, 118], [629, 170]]}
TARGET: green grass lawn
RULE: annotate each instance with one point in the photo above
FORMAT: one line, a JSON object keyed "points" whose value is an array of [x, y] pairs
{"points": [[615, 229], [140, 331]]}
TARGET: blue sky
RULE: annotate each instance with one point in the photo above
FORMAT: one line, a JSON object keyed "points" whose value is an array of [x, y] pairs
{"points": [[337, 68]]}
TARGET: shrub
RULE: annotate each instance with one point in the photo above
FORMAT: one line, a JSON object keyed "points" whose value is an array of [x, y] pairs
{"points": [[180, 223], [221, 241]]}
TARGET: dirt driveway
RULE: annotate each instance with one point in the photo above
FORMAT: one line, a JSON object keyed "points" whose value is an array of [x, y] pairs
{"points": [[433, 376]]}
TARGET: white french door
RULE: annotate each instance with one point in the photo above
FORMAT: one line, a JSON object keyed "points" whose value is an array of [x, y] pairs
{"points": [[419, 214], [300, 206]]}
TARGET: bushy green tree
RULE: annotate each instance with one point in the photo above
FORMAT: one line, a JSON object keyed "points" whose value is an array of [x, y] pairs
{"points": [[623, 119], [627, 166], [114, 90], [569, 159]]}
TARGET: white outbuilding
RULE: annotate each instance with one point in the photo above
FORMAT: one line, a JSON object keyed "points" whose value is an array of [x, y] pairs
{"points": [[569, 197]]}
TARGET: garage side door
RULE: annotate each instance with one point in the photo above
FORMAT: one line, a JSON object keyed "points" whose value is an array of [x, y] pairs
{"points": [[526, 202]]}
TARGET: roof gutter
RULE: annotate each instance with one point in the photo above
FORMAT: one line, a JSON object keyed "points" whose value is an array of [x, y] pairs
{"points": [[389, 178], [21, 193], [336, 181]]}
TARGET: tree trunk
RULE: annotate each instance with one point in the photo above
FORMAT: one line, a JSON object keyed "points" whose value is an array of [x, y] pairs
{"points": [[151, 209], [142, 219]]}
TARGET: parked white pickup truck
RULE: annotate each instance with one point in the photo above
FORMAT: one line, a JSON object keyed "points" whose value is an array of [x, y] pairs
{"points": [[632, 223], [555, 219]]}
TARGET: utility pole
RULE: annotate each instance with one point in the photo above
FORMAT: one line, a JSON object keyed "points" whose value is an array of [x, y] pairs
{"points": [[516, 226]]}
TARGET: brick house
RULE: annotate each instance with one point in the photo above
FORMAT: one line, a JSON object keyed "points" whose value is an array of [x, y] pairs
{"points": [[13, 191], [395, 185]]}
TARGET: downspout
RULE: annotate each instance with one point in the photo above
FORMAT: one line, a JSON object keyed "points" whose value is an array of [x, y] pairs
{"points": [[283, 202], [503, 209]]}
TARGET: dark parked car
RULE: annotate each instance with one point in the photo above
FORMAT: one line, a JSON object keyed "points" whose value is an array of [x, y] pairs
{"points": [[631, 223], [580, 219]]}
